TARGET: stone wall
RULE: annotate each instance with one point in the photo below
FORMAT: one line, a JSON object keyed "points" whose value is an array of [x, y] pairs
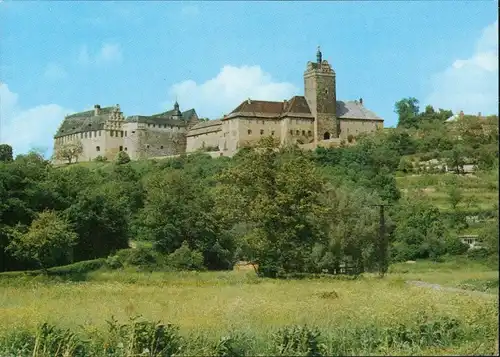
{"points": [[204, 138], [355, 127]]}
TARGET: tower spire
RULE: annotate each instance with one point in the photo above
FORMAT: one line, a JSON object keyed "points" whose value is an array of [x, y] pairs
{"points": [[318, 56]]}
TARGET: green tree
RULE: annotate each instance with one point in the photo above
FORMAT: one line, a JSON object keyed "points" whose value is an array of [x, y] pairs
{"points": [[420, 231], [6, 153], [277, 193], [100, 218], [179, 208], [407, 110], [122, 158], [69, 151], [455, 194], [49, 240]]}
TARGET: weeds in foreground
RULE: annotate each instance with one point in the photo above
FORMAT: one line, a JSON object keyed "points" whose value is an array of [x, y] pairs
{"points": [[140, 337]]}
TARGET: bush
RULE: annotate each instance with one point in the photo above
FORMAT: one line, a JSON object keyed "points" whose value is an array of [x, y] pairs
{"points": [[186, 259], [101, 158], [298, 340], [122, 158], [140, 257], [454, 246]]}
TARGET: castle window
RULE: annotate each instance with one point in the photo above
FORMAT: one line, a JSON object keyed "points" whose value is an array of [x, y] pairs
{"points": [[149, 125], [125, 133], [112, 133], [121, 134], [85, 135], [161, 147], [272, 132], [147, 146], [297, 132], [249, 132], [291, 132], [154, 125], [97, 148], [121, 148], [304, 132], [125, 148], [133, 131], [326, 136], [261, 131], [309, 133]]}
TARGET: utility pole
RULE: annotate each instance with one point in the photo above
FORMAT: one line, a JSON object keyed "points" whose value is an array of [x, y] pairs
{"points": [[383, 246]]}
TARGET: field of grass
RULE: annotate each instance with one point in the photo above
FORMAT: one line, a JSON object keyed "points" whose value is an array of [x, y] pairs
{"points": [[215, 304], [480, 191]]}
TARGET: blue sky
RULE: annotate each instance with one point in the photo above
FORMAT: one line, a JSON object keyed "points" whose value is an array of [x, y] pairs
{"points": [[61, 57]]}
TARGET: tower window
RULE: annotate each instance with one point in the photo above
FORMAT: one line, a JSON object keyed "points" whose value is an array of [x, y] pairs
{"points": [[309, 133], [297, 132], [249, 132], [147, 146], [326, 136], [125, 148], [303, 132], [121, 134], [121, 148], [161, 147], [97, 148], [261, 131], [291, 132], [125, 133], [272, 132], [111, 133]]}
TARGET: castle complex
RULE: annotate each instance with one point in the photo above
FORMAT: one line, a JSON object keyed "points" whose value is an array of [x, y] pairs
{"points": [[315, 119]]}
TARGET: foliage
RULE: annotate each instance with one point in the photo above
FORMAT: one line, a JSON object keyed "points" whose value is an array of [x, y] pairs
{"points": [[184, 258], [279, 196], [49, 240], [69, 151], [122, 158], [6, 153], [419, 232]]}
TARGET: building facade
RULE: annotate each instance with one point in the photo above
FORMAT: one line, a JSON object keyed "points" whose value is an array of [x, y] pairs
{"points": [[315, 119]]}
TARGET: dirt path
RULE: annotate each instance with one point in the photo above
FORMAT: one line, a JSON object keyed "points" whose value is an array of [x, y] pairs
{"points": [[447, 288]]}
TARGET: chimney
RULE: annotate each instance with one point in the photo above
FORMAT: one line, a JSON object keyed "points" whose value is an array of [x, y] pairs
{"points": [[361, 101], [97, 109], [461, 114]]}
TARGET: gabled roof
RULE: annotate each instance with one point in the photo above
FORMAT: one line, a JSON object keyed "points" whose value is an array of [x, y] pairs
{"points": [[84, 121], [163, 118], [355, 110], [259, 106], [205, 124]]}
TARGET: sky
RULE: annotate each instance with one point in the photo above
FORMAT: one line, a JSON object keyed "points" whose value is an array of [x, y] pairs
{"points": [[61, 57]]}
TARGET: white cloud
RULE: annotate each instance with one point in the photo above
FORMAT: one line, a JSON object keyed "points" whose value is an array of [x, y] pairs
{"points": [[471, 84], [230, 87], [54, 72], [108, 53], [26, 129]]}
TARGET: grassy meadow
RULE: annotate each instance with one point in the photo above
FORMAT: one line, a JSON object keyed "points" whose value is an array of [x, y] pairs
{"points": [[206, 306]]}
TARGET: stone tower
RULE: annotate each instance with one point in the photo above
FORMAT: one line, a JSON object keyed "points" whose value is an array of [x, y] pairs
{"points": [[320, 93]]}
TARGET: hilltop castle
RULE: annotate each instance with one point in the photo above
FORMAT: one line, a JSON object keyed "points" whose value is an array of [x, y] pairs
{"points": [[315, 119]]}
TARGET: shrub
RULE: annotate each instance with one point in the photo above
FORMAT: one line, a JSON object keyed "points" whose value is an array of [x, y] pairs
{"points": [[140, 257], [142, 338], [454, 246], [122, 158], [101, 158], [298, 341], [186, 259]]}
